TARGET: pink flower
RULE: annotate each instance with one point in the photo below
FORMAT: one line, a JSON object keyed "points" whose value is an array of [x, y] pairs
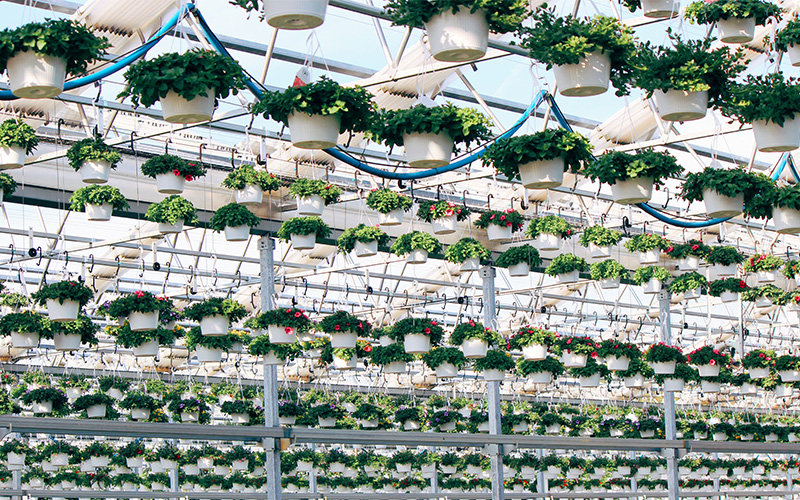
{"points": [[189, 178], [176, 172], [289, 330], [139, 294], [298, 314], [337, 328], [712, 362], [502, 217], [695, 247], [715, 351], [427, 331]]}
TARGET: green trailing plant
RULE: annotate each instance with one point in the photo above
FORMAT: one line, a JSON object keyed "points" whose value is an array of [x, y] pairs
{"points": [[495, 360], [18, 133], [7, 185], [466, 248], [576, 345], [62, 38], [288, 408], [788, 197], [789, 36], [261, 346], [644, 274], [415, 240], [195, 338], [725, 256], [441, 355], [293, 318], [303, 188], [87, 400], [383, 355], [716, 287], [791, 269], [403, 415], [191, 74], [600, 236], [646, 242], [762, 262], [473, 330], [303, 226], [25, 322], [165, 164], [189, 405], [759, 358], [97, 194], [141, 400], [433, 210], [216, 306], [607, 269], [617, 166], [418, 326], [237, 406], [83, 327], [129, 339], [566, 263], [232, 215], [663, 353], [509, 153], [549, 224], [363, 233], [529, 335], [787, 363], [618, 349], [353, 105], [758, 190], [385, 200], [63, 290], [515, 255], [503, 16], [556, 41], [688, 281], [695, 248], [247, 175], [342, 321], [44, 394], [548, 364], [108, 383], [702, 12], [502, 218], [771, 98], [592, 367], [708, 355], [137, 301], [92, 149], [369, 411], [172, 209], [462, 125], [772, 292]]}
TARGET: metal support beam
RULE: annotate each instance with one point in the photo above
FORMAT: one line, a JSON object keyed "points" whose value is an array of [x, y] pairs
{"points": [[488, 274], [273, 463], [671, 430]]}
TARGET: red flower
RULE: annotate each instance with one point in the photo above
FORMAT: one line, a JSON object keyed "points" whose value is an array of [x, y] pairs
{"points": [[427, 331], [337, 328], [471, 323], [298, 314], [670, 249], [742, 284], [433, 322], [715, 351], [502, 217], [367, 348], [139, 294], [189, 178], [288, 330], [762, 355], [491, 217], [712, 362], [569, 232], [508, 224], [688, 358], [176, 172], [594, 355], [695, 247]]}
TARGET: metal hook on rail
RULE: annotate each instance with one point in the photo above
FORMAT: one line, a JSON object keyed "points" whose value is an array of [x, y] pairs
{"points": [[439, 192], [41, 255], [233, 155], [666, 190], [191, 280], [133, 148], [59, 123], [166, 145], [11, 246], [488, 201], [200, 153]]}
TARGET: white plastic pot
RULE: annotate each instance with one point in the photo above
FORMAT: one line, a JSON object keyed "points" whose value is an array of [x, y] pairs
{"points": [[694, 293], [681, 106], [295, 15], [446, 370], [631, 191], [765, 277], [459, 37], [658, 9], [169, 183], [520, 269], [367, 249], [100, 213], [728, 296], [146, 349], [609, 283], [417, 343], [534, 352], [444, 225], [95, 171], [212, 326], [617, 364], [343, 340], [570, 277], [208, 355], [474, 348], [599, 252], [663, 368], [270, 358], [590, 381], [310, 205], [763, 302], [789, 375], [428, 150], [237, 233], [64, 342], [386, 341], [540, 377], [286, 421], [35, 76], [758, 373], [393, 218], [417, 256], [689, 263], [708, 370], [24, 340], [498, 233], [240, 419], [709, 386], [167, 228], [736, 30], [652, 287], [142, 414], [96, 411], [469, 265], [344, 364], [56, 311], [395, 367], [303, 241], [493, 375], [281, 334], [176, 109], [587, 78], [572, 360], [783, 391], [723, 270], [11, 157], [635, 382], [141, 321], [771, 137], [722, 206], [41, 408], [544, 174], [547, 242], [649, 257], [787, 220], [447, 427], [314, 131], [249, 195]]}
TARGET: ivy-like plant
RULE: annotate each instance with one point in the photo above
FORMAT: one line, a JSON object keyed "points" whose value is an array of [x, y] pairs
{"points": [[555, 41], [508, 154], [463, 125], [645, 274], [607, 269], [548, 364], [194, 338], [549, 224], [702, 12], [303, 226], [139, 399], [503, 218], [789, 36], [165, 164], [232, 215], [247, 175], [645, 242], [771, 98], [757, 188], [414, 240], [503, 16], [18, 133], [303, 188], [63, 290], [763, 262], [522, 253], [617, 166], [393, 353], [91, 149], [688, 281], [191, 74], [97, 194], [466, 248], [171, 209], [216, 306], [261, 346], [600, 236], [566, 263], [716, 287], [363, 233], [385, 200], [129, 339], [772, 292]]}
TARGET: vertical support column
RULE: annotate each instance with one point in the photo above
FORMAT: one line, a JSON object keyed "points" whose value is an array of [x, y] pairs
{"points": [[541, 480], [488, 274], [671, 430], [174, 481], [16, 475], [273, 462]]}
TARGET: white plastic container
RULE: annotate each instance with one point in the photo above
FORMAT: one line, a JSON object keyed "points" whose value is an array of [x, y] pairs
{"points": [[659, 9], [207, 355], [167, 228], [64, 342], [771, 137], [141, 321], [95, 171], [520, 269], [35, 76], [474, 348], [146, 349], [417, 256], [544, 174], [295, 15], [498, 233], [176, 109], [237, 233], [314, 131], [787, 220], [99, 213], [632, 191], [417, 344], [367, 249], [281, 334], [303, 241], [67, 311], [547, 242], [444, 225], [459, 37], [428, 150], [11, 157], [446, 370], [589, 77], [736, 30], [214, 326], [310, 205], [681, 106], [393, 218], [249, 195]]}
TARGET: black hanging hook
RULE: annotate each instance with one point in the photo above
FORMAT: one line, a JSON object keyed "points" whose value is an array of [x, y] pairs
{"points": [[166, 145]]}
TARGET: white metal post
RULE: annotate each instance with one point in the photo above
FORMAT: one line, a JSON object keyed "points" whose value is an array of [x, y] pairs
{"points": [[273, 458], [671, 430], [488, 274]]}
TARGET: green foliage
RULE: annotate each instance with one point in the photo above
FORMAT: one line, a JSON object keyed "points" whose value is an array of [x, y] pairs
{"points": [[44, 394], [414, 240], [548, 364], [232, 215], [18, 133], [522, 253], [788, 197], [216, 306], [342, 321], [645, 242], [770, 98], [165, 164], [303, 226], [129, 339], [91, 149], [7, 184], [791, 269], [702, 12], [385, 200], [107, 383], [171, 209], [690, 66], [557, 41], [62, 38], [662, 353], [688, 281], [324, 97], [788, 36], [708, 355], [440, 355], [759, 358], [63, 290], [607, 269], [620, 166], [508, 154], [474, 330], [362, 233], [261, 346], [138, 399], [618, 349], [504, 16], [418, 326], [97, 194], [772, 292], [784, 363], [763, 262], [25, 322], [14, 300], [87, 400], [503, 218], [382, 356], [528, 336], [495, 360], [433, 210], [716, 287], [549, 224], [463, 125], [83, 326], [692, 247], [246, 175], [645, 274], [292, 317], [189, 75], [566, 263], [195, 338], [466, 248], [303, 188], [138, 301], [600, 236], [576, 345], [592, 367]]}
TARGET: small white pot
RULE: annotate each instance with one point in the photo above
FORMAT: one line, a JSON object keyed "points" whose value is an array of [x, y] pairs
{"points": [[444, 225], [547, 242], [287, 421], [207, 355], [142, 414], [240, 418], [64, 342], [417, 343], [99, 213], [599, 252], [590, 381], [658, 9], [250, 195], [787, 220], [650, 256], [11, 157], [411, 425], [214, 326], [295, 15], [635, 382], [446, 370], [474, 348], [428, 150], [708, 370], [281, 335], [728, 296], [722, 206], [766, 277], [367, 249], [96, 411], [176, 109], [609, 283], [146, 349], [139, 321], [393, 218], [43, 407], [771, 137], [395, 367], [35, 76], [736, 30], [520, 269], [237, 233], [544, 174], [652, 287], [694, 293], [570, 277], [724, 271], [24, 340], [95, 171], [167, 228], [498, 233], [632, 191], [572, 360], [68, 311], [789, 375], [314, 131], [663, 368], [587, 78], [270, 358], [343, 340], [169, 183], [709, 386], [459, 37], [303, 241], [617, 364], [493, 375], [763, 302], [417, 256], [534, 352], [386, 340], [469, 265], [310, 205], [681, 106], [689, 263], [783, 391], [758, 373], [344, 364]]}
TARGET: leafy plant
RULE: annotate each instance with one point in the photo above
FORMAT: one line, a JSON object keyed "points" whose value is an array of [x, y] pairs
{"points": [[757, 188], [762, 262], [724, 256], [786, 363], [770, 98], [418, 326], [342, 321], [759, 358], [472, 330], [515, 255], [303, 226], [663, 353], [576, 345], [788, 197], [600, 236], [45, 394], [708, 355], [549, 224], [620, 166], [172, 209], [261, 346], [557, 41], [466, 248], [189, 75], [434, 210], [618, 349], [293, 318], [716, 287], [18, 133], [232, 215], [393, 353], [688, 281], [508, 154], [772, 292], [362, 233], [592, 367], [463, 125], [129, 339], [607, 269], [646, 242], [408, 242], [303, 188], [788, 36], [694, 248], [385, 200], [83, 327], [92, 149], [246, 175], [87, 400], [548, 364], [195, 338], [107, 383], [645, 274], [440, 355], [566, 263], [503, 16], [97, 194], [495, 360], [63, 290], [141, 400], [25, 322], [505, 218], [709, 13], [14, 300], [165, 164], [528, 336], [137, 301], [62, 38], [216, 306]]}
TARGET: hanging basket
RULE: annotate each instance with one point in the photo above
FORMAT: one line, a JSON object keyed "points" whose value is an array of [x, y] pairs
{"points": [[765, 277], [599, 252], [458, 37], [794, 54], [344, 364], [681, 106], [310, 205], [544, 174], [787, 220], [789, 375], [444, 225], [167, 228], [708, 370], [281, 334], [208, 355], [689, 263], [474, 348], [540, 377], [663, 368], [709, 386], [11, 157], [417, 343], [570, 277], [652, 287], [66, 311], [295, 15], [650, 256], [771, 137], [176, 109], [303, 241], [393, 218], [428, 150], [446, 370], [395, 367], [417, 256], [520, 269], [589, 77], [250, 195], [214, 326], [343, 340], [141, 321], [95, 171], [635, 382], [470, 265], [314, 131], [659, 9], [728, 296], [64, 342], [367, 249], [146, 349], [534, 352], [724, 270], [736, 30], [573, 360], [493, 375], [169, 183], [609, 283], [498, 233], [758, 373], [547, 242], [96, 411], [718, 206], [24, 340], [617, 364], [237, 233], [590, 381], [632, 191], [270, 358], [99, 213], [36, 76]]}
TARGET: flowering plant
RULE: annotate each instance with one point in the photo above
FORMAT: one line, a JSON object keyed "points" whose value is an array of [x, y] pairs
{"points": [[791, 269], [261, 346], [576, 345], [385, 200], [292, 318], [709, 12], [716, 287], [404, 414], [341, 322], [688, 281], [216, 306], [87, 400], [440, 355], [618, 349], [763, 262], [137, 301], [466, 248], [433, 210], [418, 326], [140, 400], [165, 164], [287, 408], [548, 364], [692, 247], [44, 394], [303, 188], [442, 417], [549, 224], [63, 290], [662, 353], [474, 330], [759, 358], [645, 242], [247, 175], [708, 355], [128, 338], [326, 410], [566, 263], [505, 218], [529, 335], [724, 256], [382, 356], [515, 255], [786, 363], [591, 367]]}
